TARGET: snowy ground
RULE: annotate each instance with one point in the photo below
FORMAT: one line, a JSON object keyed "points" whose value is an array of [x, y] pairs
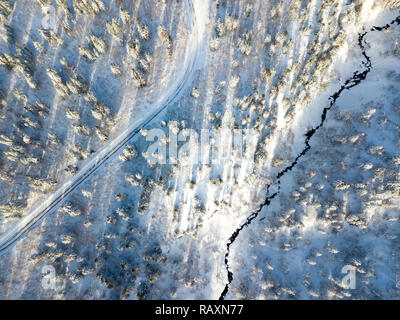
{"points": [[134, 230]]}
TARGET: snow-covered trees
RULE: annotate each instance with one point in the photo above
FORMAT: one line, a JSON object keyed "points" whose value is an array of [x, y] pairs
{"points": [[114, 28], [125, 16], [134, 49], [128, 153], [139, 78]]}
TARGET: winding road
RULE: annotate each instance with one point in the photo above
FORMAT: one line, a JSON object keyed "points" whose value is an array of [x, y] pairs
{"points": [[113, 147]]}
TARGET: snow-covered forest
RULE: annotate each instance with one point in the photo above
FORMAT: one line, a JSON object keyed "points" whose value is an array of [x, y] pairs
{"points": [[199, 149]]}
